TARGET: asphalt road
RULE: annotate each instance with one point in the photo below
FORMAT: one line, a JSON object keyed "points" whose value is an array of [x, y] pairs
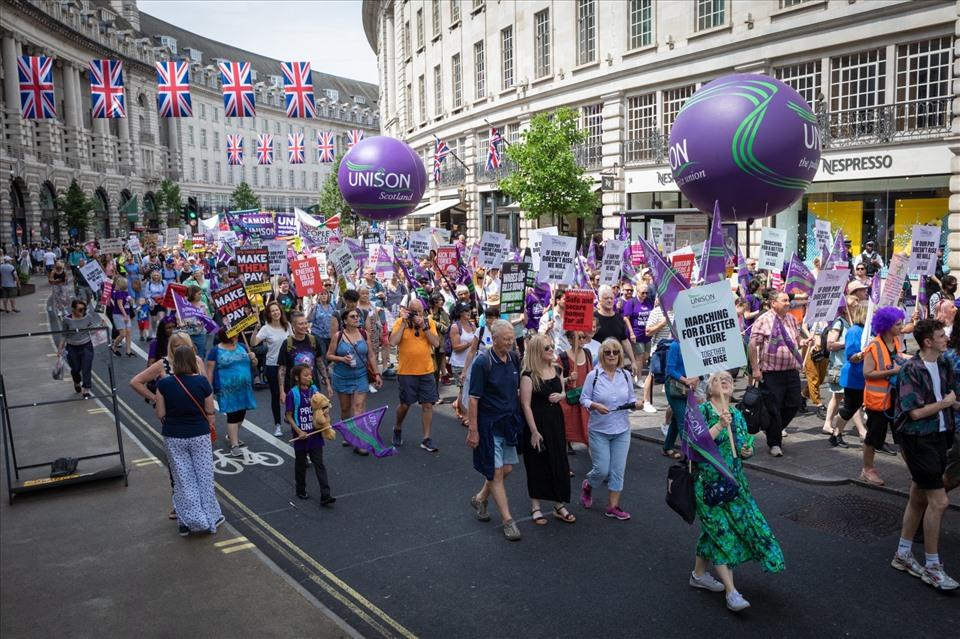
{"points": [[400, 554]]}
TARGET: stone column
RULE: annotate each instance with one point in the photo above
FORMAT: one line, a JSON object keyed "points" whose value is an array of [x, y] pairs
{"points": [[953, 142], [11, 88], [73, 125], [388, 58], [472, 196], [611, 138], [123, 129]]}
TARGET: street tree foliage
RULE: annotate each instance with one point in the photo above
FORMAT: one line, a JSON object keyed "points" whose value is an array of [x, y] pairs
{"points": [[331, 200], [547, 179], [168, 196], [243, 198], [75, 207]]}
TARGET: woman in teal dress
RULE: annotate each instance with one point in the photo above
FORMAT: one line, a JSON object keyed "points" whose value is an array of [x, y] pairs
{"points": [[230, 374], [735, 531]]}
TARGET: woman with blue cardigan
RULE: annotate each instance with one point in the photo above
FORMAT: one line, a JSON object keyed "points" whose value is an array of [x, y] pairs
{"points": [[677, 385]]}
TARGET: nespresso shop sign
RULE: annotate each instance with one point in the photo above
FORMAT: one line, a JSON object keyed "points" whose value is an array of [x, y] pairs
{"points": [[856, 163]]}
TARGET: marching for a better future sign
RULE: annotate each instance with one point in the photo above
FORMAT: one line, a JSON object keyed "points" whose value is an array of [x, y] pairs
{"points": [[773, 248], [705, 320]]}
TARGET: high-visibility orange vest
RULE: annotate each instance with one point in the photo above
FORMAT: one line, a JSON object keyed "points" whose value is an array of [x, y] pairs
{"points": [[875, 395]]}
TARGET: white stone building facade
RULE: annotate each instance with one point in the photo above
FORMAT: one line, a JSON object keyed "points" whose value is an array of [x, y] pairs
{"points": [[880, 74]]}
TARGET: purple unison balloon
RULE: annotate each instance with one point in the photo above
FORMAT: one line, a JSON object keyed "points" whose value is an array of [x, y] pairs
{"points": [[747, 141], [382, 178]]}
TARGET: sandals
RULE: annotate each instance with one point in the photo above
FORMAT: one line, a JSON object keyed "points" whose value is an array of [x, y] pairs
{"points": [[672, 454], [564, 515], [538, 520]]}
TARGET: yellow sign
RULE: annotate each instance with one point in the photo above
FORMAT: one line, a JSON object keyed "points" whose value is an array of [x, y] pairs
{"points": [[843, 216], [907, 213], [52, 480]]}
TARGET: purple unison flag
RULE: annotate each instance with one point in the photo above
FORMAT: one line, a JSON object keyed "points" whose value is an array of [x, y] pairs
{"points": [[622, 233], [415, 286], [713, 259], [838, 255], [186, 310], [743, 273], [780, 337], [363, 432], [696, 442], [799, 277], [384, 265], [580, 278], [923, 303], [669, 283], [592, 255], [875, 289]]}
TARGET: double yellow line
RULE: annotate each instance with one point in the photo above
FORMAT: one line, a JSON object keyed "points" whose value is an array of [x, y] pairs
{"points": [[356, 603]]}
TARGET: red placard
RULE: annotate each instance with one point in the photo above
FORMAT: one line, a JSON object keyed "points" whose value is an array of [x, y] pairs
{"points": [[683, 264], [637, 257], [578, 310], [168, 294], [447, 260], [306, 276], [106, 293]]}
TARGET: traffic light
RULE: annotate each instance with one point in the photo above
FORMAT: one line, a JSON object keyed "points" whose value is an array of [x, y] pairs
{"points": [[189, 212]]}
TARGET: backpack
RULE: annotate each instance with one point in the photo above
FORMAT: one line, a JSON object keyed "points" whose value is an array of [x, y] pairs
{"points": [[658, 361], [754, 409], [488, 360]]}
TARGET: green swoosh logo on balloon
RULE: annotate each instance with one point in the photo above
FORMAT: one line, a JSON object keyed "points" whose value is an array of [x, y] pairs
{"points": [[358, 167]]}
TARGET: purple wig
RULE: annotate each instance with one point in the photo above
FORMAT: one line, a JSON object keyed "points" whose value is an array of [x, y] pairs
{"points": [[885, 318]]}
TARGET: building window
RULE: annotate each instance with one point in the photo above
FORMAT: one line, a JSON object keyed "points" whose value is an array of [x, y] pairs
{"points": [[205, 168], [454, 11], [923, 84], [293, 179], [216, 114], [506, 57], [303, 180], [203, 138], [280, 178], [541, 43], [216, 140], [256, 176], [332, 94], [641, 23], [419, 28], [512, 133], [190, 134], [266, 177], [591, 121], [673, 100], [455, 74], [422, 97], [203, 111], [407, 49], [804, 78], [586, 31], [710, 14], [435, 15], [858, 80], [217, 171], [642, 135], [316, 181], [786, 4], [437, 90], [479, 70], [193, 169], [409, 106]]}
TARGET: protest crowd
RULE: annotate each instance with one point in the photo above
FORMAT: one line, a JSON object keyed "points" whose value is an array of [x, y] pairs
{"points": [[549, 347]]}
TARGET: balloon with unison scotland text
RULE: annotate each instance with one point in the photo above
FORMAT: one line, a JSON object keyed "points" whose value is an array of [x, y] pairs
{"points": [[382, 178]]}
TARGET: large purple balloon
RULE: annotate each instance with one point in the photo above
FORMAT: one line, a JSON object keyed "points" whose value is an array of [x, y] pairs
{"points": [[747, 141], [382, 178]]}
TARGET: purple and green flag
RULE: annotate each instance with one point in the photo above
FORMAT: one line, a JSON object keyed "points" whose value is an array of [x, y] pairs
{"points": [[696, 443], [799, 277], [622, 233], [592, 255], [669, 283], [363, 432], [838, 255], [780, 337], [875, 289], [743, 273], [713, 259], [186, 311]]}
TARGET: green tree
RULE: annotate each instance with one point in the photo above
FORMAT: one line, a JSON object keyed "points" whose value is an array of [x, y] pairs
{"points": [[167, 198], [74, 208], [548, 180], [243, 198], [331, 200]]}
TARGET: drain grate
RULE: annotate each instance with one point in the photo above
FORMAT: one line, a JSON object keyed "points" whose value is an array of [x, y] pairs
{"points": [[850, 516]]}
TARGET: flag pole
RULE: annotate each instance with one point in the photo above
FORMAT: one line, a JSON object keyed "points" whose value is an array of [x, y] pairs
{"points": [[502, 139], [452, 152]]}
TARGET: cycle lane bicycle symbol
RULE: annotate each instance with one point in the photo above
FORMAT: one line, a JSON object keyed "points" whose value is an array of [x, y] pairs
{"points": [[224, 465]]}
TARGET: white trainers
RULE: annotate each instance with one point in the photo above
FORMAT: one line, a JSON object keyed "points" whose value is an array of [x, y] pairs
{"points": [[940, 580], [277, 432], [776, 451], [372, 389], [907, 563], [736, 602], [649, 408], [705, 581]]}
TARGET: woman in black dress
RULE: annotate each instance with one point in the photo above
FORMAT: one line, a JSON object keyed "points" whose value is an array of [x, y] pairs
{"points": [[544, 443]]}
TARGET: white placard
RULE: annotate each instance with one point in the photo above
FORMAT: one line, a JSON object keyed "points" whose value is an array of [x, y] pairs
{"points": [[277, 254], [823, 237], [491, 249], [557, 254], [923, 249], [134, 245], [112, 245], [420, 243], [706, 323], [343, 261], [827, 292], [656, 233], [441, 236], [612, 261], [893, 285], [773, 248], [171, 237], [93, 273], [535, 238], [229, 238], [669, 238]]}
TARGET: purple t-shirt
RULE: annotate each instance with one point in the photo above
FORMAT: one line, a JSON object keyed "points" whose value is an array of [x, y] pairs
{"points": [[304, 419], [535, 308], [120, 299], [637, 312]]}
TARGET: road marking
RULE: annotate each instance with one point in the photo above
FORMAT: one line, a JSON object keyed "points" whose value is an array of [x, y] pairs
{"points": [[149, 461], [246, 546], [230, 542], [96, 411]]}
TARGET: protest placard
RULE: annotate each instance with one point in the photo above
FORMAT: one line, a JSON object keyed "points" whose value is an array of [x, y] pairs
{"points": [[285, 224], [578, 310], [557, 254], [93, 273], [513, 286], [112, 245], [637, 257], [234, 307], [773, 248], [656, 233], [669, 238], [277, 256], [491, 249], [823, 239], [342, 260], [420, 243], [447, 261], [893, 285], [923, 249], [612, 261], [535, 239], [134, 245], [705, 319], [441, 236], [171, 237], [683, 264], [322, 265], [199, 243], [370, 238], [827, 292], [254, 267], [229, 238], [106, 293], [260, 225], [531, 272], [172, 287], [306, 276]]}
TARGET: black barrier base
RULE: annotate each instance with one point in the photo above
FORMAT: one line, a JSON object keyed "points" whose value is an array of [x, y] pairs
{"points": [[44, 483]]}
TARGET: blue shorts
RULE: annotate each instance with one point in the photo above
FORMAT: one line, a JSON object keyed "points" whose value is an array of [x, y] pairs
{"points": [[417, 389], [503, 455], [350, 385], [121, 322]]}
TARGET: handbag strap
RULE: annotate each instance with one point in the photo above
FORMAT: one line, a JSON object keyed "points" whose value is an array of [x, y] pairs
{"points": [[190, 395]]}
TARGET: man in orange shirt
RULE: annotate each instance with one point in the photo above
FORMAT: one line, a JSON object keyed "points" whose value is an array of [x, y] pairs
{"points": [[415, 336]]}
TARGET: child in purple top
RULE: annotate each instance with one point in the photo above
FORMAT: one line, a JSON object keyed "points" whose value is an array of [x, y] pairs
{"points": [[300, 417], [538, 299]]}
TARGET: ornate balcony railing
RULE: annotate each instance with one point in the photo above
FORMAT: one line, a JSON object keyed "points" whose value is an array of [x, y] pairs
{"points": [[147, 137], [452, 175], [589, 155], [506, 167]]}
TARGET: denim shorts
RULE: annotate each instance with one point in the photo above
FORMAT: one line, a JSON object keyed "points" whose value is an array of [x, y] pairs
{"points": [[503, 455]]}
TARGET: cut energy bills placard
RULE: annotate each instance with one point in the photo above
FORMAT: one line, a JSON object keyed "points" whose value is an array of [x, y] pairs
{"points": [[826, 296], [705, 319]]}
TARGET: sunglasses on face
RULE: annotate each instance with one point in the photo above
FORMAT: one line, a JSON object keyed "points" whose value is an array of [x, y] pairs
{"points": [[547, 349], [609, 353]]}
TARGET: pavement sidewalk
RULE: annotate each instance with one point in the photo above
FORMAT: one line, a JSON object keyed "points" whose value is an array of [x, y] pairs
{"points": [[102, 559]]}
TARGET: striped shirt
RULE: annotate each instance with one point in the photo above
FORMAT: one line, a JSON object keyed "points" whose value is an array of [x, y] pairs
{"points": [[781, 359]]}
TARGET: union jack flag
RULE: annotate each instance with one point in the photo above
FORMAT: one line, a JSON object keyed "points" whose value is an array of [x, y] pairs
{"points": [[173, 89], [353, 138], [106, 89], [238, 100], [326, 146], [265, 149], [235, 150], [298, 90], [493, 150], [295, 148], [440, 153], [36, 87]]}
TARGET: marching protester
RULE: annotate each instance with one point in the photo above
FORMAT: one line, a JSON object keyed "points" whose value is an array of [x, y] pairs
{"points": [[300, 347], [308, 443], [609, 426], [677, 385], [733, 531], [78, 345], [575, 364], [192, 326], [57, 278], [493, 431], [415, 336], [636, 310], [441, 318], [851, 378], [611, 323], [881, 364], [374, 324], [274, 333], [351, 359], [462, 331], [229, 373], [319, 317], [551, 323], [120, 311]]}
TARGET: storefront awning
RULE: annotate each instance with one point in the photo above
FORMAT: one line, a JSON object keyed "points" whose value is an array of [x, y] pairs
{"points": [[432, 209]]}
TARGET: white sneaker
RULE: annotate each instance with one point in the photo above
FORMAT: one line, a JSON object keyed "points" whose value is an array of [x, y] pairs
{"points": [[373, 389], [776, 451], [706, 581], [649, 408], [277, 432], [736, 602]]}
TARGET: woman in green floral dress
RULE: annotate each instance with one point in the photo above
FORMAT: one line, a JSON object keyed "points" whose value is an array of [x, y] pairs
{"points": [[731, 532]]}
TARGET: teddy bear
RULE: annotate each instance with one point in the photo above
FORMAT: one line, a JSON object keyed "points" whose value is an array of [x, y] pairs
{"points": [[321, 416]]}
